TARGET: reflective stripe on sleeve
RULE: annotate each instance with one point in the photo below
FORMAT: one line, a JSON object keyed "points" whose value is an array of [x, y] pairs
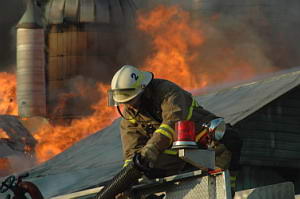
{"points": [[170, 152], [193, 105], [165, 133], [133, 121], [166, 130], [126, 162]]}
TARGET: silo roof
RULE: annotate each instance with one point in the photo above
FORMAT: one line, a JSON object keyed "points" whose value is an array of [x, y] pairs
{"points": [[31, 17], [90, 11], [98, 157]]}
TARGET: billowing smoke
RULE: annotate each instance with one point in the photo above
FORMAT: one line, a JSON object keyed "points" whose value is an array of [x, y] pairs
{"points": [[267, 28], [260, 33], [10, 13]]}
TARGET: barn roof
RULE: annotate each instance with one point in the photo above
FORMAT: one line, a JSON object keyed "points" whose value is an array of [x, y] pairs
{"points": [[236, 103], [97, 158]]}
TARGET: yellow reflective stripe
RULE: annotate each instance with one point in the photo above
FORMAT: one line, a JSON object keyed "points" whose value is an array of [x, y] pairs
{"points": [[191, 108], [168, 128], [165, 133], [189, 116], [170, 152], [126, 162], [233, 181], [199, 136], [133, 121], [138, 82], [233, 178]]}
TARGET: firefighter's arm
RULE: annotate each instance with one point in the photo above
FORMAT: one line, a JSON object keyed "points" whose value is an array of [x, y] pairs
{"points": [[175, 107], [132, 140]]}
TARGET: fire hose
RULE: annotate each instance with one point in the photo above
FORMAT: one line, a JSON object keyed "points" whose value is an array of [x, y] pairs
{"points": [[20, 188], [121, 182], [127, 177]]}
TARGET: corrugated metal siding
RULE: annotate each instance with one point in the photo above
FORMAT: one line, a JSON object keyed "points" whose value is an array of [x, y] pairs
{"points": [[70, 12], [73, 52], [90, 11], [272, 134], [255, 176]]}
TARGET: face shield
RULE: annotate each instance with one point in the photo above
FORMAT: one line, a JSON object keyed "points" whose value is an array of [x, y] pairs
{"points": [[121, 96]]}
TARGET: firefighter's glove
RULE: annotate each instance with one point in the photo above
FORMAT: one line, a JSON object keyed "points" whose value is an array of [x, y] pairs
{"points": [[150, 153], [141, 163], [144, 166]]}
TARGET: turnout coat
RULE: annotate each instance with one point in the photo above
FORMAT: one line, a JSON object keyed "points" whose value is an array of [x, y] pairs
{"points": [[163, 103]]}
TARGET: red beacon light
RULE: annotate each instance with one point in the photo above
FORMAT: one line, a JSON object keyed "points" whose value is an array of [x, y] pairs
{"points": [[185, 135]]}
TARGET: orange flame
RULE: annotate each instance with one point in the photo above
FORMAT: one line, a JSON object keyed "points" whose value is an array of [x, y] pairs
{"points": [[179, 53], [173, 37], [5, 167], [8, 103], [53, 140], [3, 134]]}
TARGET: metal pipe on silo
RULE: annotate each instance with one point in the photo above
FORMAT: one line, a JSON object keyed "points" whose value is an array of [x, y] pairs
{"points": [[31, 84]]}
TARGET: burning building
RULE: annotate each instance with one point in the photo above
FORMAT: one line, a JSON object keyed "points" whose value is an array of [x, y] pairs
{"points": [[60, 40], [60, 43]]}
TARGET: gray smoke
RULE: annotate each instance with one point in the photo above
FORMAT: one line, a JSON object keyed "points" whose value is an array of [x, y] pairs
{"points": [[261, 32], [10, 13], [275, 23]]}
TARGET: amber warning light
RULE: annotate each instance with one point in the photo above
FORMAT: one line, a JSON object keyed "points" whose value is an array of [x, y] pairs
{"points": [[185, 135]]}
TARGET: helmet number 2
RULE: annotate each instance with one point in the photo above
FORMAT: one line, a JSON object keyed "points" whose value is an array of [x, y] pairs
{"points": [[134, 76]]}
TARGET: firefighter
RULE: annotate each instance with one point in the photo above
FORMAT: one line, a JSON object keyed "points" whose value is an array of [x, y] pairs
{"points": [[150, 109]]}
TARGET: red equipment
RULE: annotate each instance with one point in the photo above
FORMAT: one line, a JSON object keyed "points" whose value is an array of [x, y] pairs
{"points": [[185, 135]]}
